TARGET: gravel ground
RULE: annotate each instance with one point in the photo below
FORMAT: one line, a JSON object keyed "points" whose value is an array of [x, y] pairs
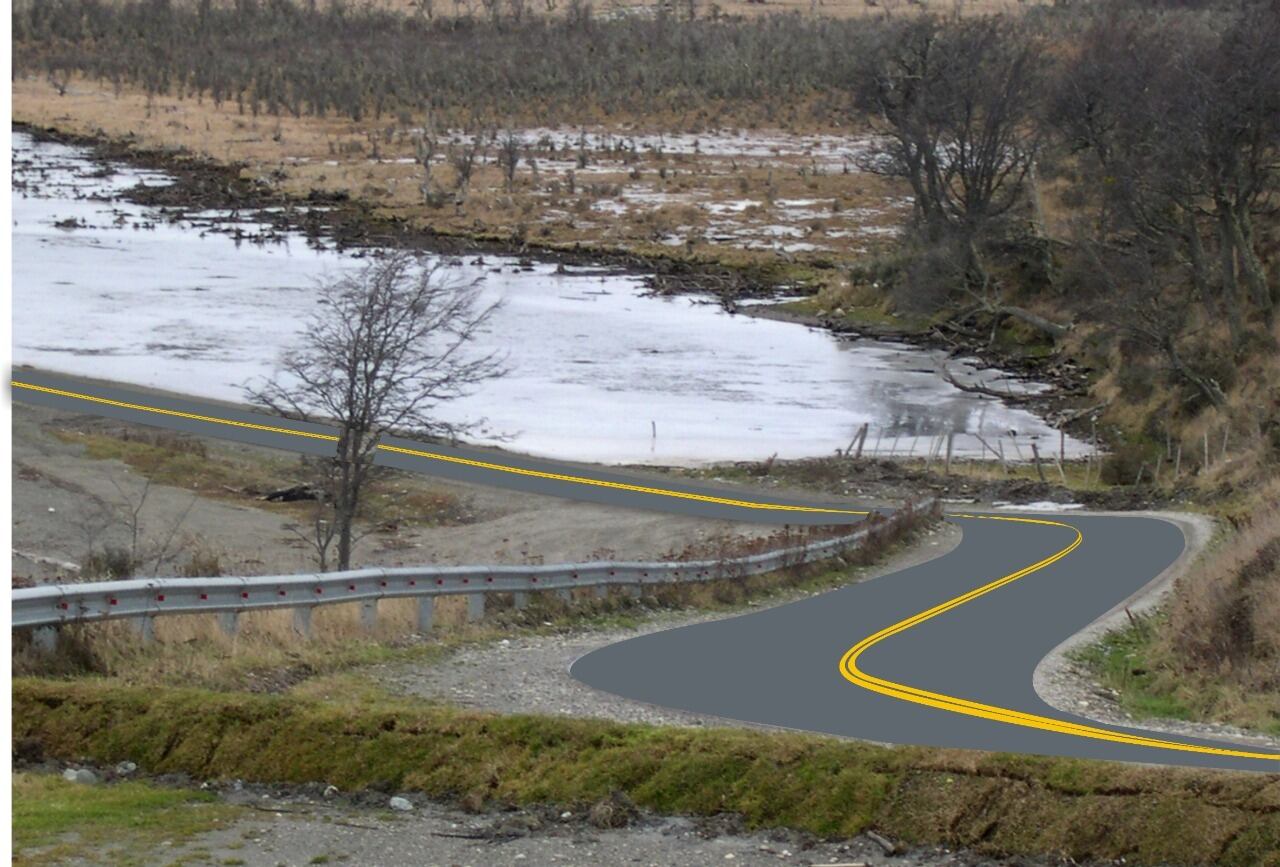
{"points": [[531, 674], [285, 826]]}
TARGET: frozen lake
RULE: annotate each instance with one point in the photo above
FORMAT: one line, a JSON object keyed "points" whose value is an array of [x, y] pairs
{"points": [[108, 289]]}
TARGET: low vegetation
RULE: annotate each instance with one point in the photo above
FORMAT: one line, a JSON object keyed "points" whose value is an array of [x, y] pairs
{"points": [[284, 485], [354, 740], [267, 655], [1213, 652], [55, 821]]}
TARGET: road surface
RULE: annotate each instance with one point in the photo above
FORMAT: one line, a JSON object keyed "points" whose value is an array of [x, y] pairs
{"points": [[939, 654]]}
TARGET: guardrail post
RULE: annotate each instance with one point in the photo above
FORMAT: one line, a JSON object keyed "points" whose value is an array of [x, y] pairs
{"points": [[45, 638], [369, 615], [426, 613], [520, 600], [229, 622], [635, 591], [302, 620], [475, 607], [601, 591], [145, 627], [565, 595]]}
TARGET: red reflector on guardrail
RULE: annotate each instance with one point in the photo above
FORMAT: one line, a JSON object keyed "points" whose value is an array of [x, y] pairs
{"points": [[160, 597]]}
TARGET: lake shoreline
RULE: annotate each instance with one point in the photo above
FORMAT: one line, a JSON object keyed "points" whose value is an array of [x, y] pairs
{"points": [[200, 187]]}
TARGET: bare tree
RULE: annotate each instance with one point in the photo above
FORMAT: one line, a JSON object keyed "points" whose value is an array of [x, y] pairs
{"points": [[953, 100], [1178, 125], [426, 146], [462, 157], [510, 147], [385, 348]]}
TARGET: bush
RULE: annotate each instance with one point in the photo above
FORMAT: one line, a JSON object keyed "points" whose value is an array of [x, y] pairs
{"points": [[111, 562], [1122, 466]]}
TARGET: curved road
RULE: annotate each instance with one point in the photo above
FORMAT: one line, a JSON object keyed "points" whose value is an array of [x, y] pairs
{"points": [[938, 654]]}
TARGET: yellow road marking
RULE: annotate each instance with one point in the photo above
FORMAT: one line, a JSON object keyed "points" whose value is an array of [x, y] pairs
{"points": [[452, 459], [850, 670], [172, 412], [848, 664]]}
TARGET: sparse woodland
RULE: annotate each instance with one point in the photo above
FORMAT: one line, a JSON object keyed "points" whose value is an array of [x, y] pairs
{"points": [[1099, 181]]}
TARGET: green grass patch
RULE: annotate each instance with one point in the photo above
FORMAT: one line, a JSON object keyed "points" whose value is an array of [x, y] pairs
{"points": [[1134, 662], [1120, 660], [996, 803], [54, 820], [871, 317]]}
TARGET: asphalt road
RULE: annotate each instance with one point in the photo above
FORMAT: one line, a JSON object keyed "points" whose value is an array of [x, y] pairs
{"points": [[787, 666], [939, 654], [458, 463]]}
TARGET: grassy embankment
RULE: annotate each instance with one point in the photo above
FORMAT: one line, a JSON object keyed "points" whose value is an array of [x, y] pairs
{"points": [[1213, 651], [355, 738]]}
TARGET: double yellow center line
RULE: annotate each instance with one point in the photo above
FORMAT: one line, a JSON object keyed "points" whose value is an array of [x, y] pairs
{"points": [[849, 667], [849, 662]]}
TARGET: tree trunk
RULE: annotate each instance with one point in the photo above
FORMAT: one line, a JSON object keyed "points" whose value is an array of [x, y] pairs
{"points": [[1054, 329], [1230, 286], [1255, 276], [1207, 387], [1199, 267]]}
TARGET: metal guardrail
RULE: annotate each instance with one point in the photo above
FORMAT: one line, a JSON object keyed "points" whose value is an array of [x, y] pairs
{"points": [[144, 599]]}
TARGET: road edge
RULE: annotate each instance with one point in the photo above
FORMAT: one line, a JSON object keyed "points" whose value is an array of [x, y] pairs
{"points": [[1054, 676]]}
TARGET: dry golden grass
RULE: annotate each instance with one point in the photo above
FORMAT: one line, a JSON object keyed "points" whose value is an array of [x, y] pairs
{"points": [[1213, 652], [722, 207], [1224, 620]]}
